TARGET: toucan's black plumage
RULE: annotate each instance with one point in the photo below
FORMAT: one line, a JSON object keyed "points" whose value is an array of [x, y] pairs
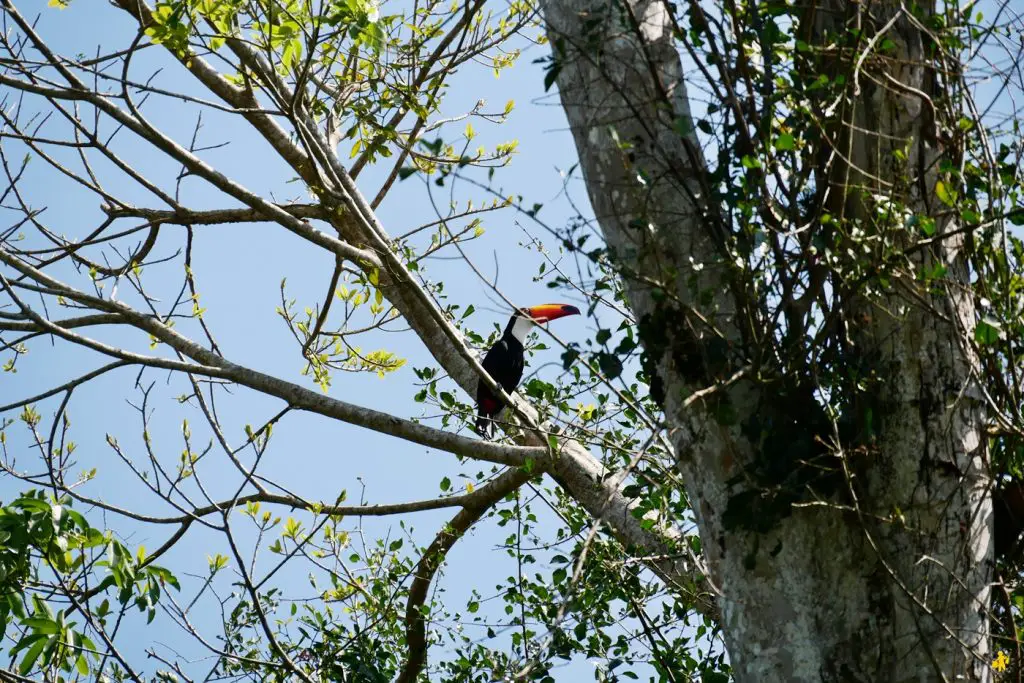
{"points": [[504, 361]]}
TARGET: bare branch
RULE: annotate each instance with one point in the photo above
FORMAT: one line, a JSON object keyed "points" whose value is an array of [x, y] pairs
{"points": [[430, 562]]}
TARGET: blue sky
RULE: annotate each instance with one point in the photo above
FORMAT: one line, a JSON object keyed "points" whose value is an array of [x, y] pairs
{"points": [[239, 270]]}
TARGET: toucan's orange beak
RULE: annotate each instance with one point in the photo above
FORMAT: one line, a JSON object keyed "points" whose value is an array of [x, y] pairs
{"points": [[548, 312]]}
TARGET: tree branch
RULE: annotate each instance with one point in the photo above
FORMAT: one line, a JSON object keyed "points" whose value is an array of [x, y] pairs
{"points": [[294, 395], [433, 556], [212, 216]]}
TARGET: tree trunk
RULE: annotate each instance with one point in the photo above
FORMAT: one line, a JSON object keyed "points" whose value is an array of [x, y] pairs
{"points": [[885, 575]]}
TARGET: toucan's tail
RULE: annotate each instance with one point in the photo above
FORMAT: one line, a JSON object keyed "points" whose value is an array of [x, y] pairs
{"points": [[487, 408], [484, 425]]}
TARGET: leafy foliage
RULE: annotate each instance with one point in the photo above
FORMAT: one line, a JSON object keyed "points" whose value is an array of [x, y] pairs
{"points": [[47, 544]]}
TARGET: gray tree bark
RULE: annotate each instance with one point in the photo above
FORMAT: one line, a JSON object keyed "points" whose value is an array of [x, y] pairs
{"points": [[888, 578]]}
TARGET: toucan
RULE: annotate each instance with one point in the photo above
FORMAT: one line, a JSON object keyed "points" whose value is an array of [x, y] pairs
{"points": [[504, 360]]}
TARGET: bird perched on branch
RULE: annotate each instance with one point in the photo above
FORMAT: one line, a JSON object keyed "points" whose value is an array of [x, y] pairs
{"points": [[504, 360]]}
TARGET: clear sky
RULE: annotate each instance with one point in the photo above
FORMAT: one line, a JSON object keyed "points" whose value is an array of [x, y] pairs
{"points": [[239, 270]]}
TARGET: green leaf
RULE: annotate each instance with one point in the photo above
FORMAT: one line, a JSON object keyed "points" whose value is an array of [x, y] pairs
{"points": [[41, 625], [927, 225], [164, 575], [610, 364], [946, 195], [446, 484], [987, 331], [551, 75], [785, 142], [32, 655]]}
